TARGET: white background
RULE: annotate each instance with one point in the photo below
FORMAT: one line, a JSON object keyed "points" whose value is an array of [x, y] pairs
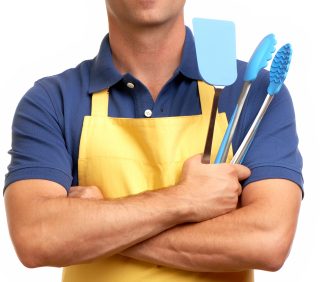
{"points": [[40, 38]]}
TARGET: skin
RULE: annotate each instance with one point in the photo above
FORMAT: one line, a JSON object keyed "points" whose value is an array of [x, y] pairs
{"points": [[145, 35], [256, 236], [56, 235], [203, 230]]}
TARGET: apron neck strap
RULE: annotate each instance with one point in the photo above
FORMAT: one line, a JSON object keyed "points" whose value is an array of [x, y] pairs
{"points": [[206, 94], [100, 100], [100, 103]]}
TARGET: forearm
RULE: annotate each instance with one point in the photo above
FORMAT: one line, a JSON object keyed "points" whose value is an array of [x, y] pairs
{"points": [[226, 243], [101, 228], [62, 231], [258, 235]]}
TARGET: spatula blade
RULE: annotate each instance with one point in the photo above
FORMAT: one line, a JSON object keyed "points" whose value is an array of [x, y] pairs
{"points": [[215, 42]]}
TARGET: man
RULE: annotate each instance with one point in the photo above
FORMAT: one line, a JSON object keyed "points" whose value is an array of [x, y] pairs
{"points": [[106, 178]]}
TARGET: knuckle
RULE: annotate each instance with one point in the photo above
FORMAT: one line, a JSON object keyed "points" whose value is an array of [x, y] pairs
{"points": [[233, 184], [225, 186], [230, 169]]}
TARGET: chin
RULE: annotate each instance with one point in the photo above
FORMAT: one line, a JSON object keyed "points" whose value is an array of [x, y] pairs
{"points": [[145, 12], [150, 22], [152, 18]]}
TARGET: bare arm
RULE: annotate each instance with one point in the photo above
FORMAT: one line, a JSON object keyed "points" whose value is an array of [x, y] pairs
{"points": [[49, 228], [257, 235]]}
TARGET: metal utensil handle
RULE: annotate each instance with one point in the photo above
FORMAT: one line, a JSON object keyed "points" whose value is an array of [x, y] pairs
{"points": [[208, 146], [243, 149], [227, 139]]}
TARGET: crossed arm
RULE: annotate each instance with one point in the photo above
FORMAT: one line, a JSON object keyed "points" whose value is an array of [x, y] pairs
{"points": [[54, 229], [257, 235]]}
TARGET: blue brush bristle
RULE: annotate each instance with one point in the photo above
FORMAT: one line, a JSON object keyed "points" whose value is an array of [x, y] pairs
{"points": [[279, 69]]}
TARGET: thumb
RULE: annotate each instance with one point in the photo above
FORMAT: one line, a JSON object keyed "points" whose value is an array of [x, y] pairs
{"points": [[243, 171]]}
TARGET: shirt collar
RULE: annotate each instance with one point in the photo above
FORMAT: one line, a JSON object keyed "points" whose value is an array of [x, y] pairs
{"points": [[104, 74], [189, 64]]}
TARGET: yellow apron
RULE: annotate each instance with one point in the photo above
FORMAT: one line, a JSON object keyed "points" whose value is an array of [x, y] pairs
{"points": [[125, 156]]}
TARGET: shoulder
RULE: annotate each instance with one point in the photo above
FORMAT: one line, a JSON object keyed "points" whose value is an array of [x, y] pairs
{"points": [[66, 84], [47, 126], [274, 152], [54, 94]]}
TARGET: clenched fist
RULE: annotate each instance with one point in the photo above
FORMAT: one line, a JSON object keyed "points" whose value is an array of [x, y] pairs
{"points": [[211, 189]]}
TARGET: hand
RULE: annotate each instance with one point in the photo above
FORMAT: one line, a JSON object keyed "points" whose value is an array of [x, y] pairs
{"points": [[85, 192], [211, 190]]}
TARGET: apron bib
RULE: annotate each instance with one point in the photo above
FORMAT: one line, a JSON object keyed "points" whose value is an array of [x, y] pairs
{"points": [[124, 156]]}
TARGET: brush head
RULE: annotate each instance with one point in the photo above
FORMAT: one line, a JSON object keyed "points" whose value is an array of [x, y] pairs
{"points": [[260, 57], [215, 42], [279, 69]]}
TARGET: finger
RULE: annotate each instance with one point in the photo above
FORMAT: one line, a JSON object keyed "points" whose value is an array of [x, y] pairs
{"points": [[196, 158], [239, 189], [74, 194], [72, 190], [242, 171], [93, 187]]}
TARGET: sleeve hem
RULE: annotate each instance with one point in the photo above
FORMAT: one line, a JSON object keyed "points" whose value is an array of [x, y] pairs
{"points": [[275, 172], [51, 174]]}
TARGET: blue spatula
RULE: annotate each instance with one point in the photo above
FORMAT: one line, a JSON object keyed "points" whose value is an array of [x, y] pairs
{"points": [[215, 42]]}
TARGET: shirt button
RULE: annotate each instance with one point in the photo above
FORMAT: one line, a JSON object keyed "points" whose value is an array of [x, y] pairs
{"points": [[130, 85], [148, 113]]}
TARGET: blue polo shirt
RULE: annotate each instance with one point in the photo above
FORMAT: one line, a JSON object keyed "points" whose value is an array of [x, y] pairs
{"points": [[48, 120]]}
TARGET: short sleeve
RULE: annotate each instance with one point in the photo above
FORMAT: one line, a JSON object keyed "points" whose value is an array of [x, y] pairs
{"points": [[38, 146], [274, 151]]}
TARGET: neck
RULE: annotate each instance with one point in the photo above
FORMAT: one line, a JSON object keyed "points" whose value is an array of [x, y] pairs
{"points": [[151, 54]]}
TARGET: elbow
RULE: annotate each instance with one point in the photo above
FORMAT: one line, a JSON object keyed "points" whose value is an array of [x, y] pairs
{"points": [[29, 260], [275, 253], [30, 250], [29, 257], [274, 264]]}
